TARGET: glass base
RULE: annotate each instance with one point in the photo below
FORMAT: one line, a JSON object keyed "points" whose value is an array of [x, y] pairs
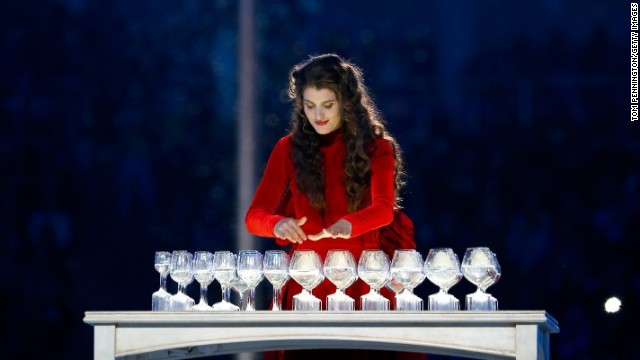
{"points": [[160, 301], [408, 302], [225, 306], [480, 301], [374, 302], [306, 302], [202, 307], [180, 302], [340, 302], [443, 302]]}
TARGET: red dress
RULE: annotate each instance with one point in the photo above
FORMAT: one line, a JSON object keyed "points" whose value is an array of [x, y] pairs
{"points": [[378, 211]]}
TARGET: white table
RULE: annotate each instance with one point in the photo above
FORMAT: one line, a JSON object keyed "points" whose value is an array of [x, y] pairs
{"points": [[522, 335]]}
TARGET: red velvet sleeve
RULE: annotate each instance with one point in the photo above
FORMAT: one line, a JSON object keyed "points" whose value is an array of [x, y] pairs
{"points": [[260, 219], [380, 212]]}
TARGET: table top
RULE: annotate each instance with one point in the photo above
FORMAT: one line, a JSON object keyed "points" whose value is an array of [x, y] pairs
{"points": [[327, 318]]}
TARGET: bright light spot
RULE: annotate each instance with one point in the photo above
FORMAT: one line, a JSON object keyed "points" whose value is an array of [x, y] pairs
{"points": [[612, 305]]}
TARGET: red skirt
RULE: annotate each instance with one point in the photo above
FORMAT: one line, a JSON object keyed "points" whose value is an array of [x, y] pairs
{"points": [[321, 291]]}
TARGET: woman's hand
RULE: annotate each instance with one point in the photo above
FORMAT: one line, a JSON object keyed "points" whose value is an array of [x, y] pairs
{"points": [[395, 285], [289, 229], [340, 229]]}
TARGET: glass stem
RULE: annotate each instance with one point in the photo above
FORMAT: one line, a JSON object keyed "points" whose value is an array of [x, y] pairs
{"points": [[203, 295], [277, 299], [243, 300], [163, 282], [250, 298], [305, 292], [225, 294]]}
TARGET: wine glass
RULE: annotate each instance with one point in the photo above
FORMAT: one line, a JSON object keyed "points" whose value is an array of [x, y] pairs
{"points": [[224, 264], [480, 266], [203, 273], [160, 298], [306, 269], [407, 268], [181, 271], [240, 287], [249, 270], [442, 268], [374, 270], [340, 269], [276, 269]]}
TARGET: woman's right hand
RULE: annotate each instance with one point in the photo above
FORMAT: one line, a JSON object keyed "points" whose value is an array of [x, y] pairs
{"points": [[289, 229]]}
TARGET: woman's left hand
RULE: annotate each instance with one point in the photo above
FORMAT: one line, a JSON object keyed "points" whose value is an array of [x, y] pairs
{"points": [[340, 229]]}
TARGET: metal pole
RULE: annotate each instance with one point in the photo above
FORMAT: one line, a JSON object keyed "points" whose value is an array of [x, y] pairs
{"points": [[247, 119]]}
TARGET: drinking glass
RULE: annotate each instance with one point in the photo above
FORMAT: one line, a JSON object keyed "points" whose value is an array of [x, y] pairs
{"points": [[240, 287], [181, 271], [203, 273], [407, 268], [374, 270], [276, 269], [340, 269], [442, 268], [160, 298], [224, 264], [480, 266], [250, 271], [306, 269]]}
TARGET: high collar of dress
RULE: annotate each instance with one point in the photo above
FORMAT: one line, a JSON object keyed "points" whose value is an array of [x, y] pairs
{"points": [[331, 138]]}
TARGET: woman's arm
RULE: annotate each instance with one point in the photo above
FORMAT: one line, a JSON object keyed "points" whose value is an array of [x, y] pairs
{"points": [[380, 212]]}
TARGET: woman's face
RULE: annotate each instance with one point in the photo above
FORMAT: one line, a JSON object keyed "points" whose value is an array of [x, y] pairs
{"points": [[322, 109]]}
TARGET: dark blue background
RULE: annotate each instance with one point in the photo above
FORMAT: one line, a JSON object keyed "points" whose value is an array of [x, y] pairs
{"points": [[118, 138]]}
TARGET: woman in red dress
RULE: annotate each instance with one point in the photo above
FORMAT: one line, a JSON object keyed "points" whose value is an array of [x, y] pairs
{"points": [[339, 173]]}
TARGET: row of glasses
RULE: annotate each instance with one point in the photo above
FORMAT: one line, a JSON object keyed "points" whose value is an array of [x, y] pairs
{"points": [[242, 273], [405, 272], [252, 268], [479, 266], [340, 268]]}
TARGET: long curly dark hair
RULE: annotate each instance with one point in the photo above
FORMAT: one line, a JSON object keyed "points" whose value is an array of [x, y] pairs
{"points": [[362, 123]]}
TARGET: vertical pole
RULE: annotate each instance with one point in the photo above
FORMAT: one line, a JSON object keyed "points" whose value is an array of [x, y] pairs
{"points": [[247, 119]]}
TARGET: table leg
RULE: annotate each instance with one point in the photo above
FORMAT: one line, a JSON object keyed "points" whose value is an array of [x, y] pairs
{"points": [[530, 344], [104, 338]]}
